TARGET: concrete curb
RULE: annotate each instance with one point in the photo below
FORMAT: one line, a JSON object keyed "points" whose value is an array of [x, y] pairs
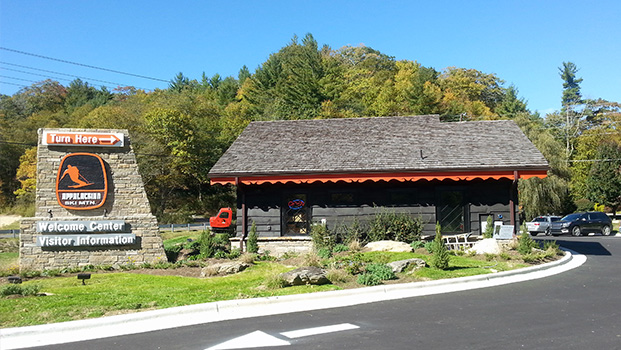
{"points": [[73, 331]]}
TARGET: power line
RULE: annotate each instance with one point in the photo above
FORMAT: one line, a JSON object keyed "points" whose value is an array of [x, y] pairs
{"points": [[49, 71], [33, 81], [83, 65], [6, 82]]}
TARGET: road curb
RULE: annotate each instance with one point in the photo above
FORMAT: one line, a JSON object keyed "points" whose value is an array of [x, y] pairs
{"points": [[73, 331]]}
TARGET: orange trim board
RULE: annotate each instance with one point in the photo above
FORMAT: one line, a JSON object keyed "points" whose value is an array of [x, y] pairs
{"points": [[402, 177]]}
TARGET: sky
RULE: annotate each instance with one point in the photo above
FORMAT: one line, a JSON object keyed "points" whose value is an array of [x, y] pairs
{"points": [[523, 42]]}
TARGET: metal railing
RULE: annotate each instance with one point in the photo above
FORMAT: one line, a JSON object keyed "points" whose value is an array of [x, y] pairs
{"points": [[185, 227], [9, 233]]}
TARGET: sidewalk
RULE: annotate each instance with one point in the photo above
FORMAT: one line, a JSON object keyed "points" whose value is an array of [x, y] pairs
{"points": [[58, 333]]}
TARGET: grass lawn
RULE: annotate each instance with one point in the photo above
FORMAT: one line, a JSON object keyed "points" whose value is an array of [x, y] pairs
{"points": [[115, 293]]}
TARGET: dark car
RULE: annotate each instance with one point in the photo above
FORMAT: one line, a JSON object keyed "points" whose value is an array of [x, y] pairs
{"points": [[579, 224], [541, 224]]}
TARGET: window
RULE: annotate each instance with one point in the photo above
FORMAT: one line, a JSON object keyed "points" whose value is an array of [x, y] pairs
{"points": [[295, 215]]}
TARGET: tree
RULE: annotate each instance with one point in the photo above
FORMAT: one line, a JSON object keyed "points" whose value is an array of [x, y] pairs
{"points": [[571, 85], [27, 176], [604, 181], [440, 258]]}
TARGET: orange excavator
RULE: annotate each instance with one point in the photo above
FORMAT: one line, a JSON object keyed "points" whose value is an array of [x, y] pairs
{"points": [[222, 222]]}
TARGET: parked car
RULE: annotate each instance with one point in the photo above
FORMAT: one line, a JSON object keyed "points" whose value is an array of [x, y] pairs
{"points": [[579, 224], [541, 224]]}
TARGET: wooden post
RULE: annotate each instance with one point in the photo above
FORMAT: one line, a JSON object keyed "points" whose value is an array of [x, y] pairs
{"points": [[242, 197], [512, 197]]}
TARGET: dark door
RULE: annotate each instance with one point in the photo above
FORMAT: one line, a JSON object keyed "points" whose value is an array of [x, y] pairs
{"points": [[451, 211], [296, 216]]}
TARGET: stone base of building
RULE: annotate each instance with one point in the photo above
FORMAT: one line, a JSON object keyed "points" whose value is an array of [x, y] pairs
{"points": [[278, 246]]}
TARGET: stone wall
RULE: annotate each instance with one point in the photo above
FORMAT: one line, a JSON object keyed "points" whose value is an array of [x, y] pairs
{"points": [[126, 200]]}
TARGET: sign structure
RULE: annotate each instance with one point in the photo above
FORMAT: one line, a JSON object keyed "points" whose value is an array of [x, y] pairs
{"points": [[81, 182], [72, 138], [503, 231]]}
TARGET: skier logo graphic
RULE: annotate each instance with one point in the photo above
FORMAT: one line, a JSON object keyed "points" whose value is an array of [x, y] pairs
{"points": [[81, 182], [75, 176]]}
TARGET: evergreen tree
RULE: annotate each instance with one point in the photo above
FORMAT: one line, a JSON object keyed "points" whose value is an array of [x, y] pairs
{"points": [[440, 258], [252, 245]]}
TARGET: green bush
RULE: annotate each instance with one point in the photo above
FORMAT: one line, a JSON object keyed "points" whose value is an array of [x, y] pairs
{"points": [[552, 247], [526, 244], [18, 289], [440, 258], [430, 246], [357, 231], [368, 279], [489, 228], [340, 248], [382, 271], [352, 263], [417, 244], [388, 225], [252, 245], [322, 237], [324, 253]]}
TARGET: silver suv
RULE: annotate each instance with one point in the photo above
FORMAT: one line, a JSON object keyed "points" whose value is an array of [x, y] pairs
{"points": [[541, 224]]}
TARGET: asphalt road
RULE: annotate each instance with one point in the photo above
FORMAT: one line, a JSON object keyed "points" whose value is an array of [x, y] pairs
{"points": [[578, 309]]}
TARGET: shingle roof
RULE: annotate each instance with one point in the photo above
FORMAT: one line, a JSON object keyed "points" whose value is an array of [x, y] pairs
{"points": [[380, 144]]}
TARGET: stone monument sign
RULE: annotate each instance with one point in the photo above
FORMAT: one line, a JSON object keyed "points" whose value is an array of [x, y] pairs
{"points": [[91, 207]]}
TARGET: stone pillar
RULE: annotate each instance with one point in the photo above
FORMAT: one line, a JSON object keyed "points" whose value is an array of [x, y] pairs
{"points": [[125, 204]]}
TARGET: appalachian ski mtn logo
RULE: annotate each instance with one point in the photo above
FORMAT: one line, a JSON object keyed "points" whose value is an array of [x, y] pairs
{"points": [[81, 182]]}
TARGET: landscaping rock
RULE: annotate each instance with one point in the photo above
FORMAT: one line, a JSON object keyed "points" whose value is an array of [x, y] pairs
{"points": [[388, 246], [399, 266], [226, 268], [486, 246], [305, 275]]}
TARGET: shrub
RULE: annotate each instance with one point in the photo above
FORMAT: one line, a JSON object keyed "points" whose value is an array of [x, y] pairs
{"points": [[248, 258], [234, 254], [526, 243], [552, 247], [324, 253], [440, 258], [369, 279], [338, 276], [417, 244], [505, 256], [312, 259], [275, 282], [353, 264], [322, 237], [394, 226], [489, 228], [382, 271], [340, 248], [205, 244], [252, 245], [17, 289], [430, 246], [490, 257], [356, 232]]}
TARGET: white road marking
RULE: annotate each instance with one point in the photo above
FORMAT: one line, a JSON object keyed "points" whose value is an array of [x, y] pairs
{"points": [[255, 339], [258, 339], [319, 330]]}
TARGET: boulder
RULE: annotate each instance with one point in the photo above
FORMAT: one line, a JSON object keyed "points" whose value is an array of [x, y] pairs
{"points": [[225, 268], [305, 275], [388, 246], [486, 246], [399, 266]]}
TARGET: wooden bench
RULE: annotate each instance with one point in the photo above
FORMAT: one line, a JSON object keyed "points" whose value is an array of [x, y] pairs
{"points": [[458, 242]]}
